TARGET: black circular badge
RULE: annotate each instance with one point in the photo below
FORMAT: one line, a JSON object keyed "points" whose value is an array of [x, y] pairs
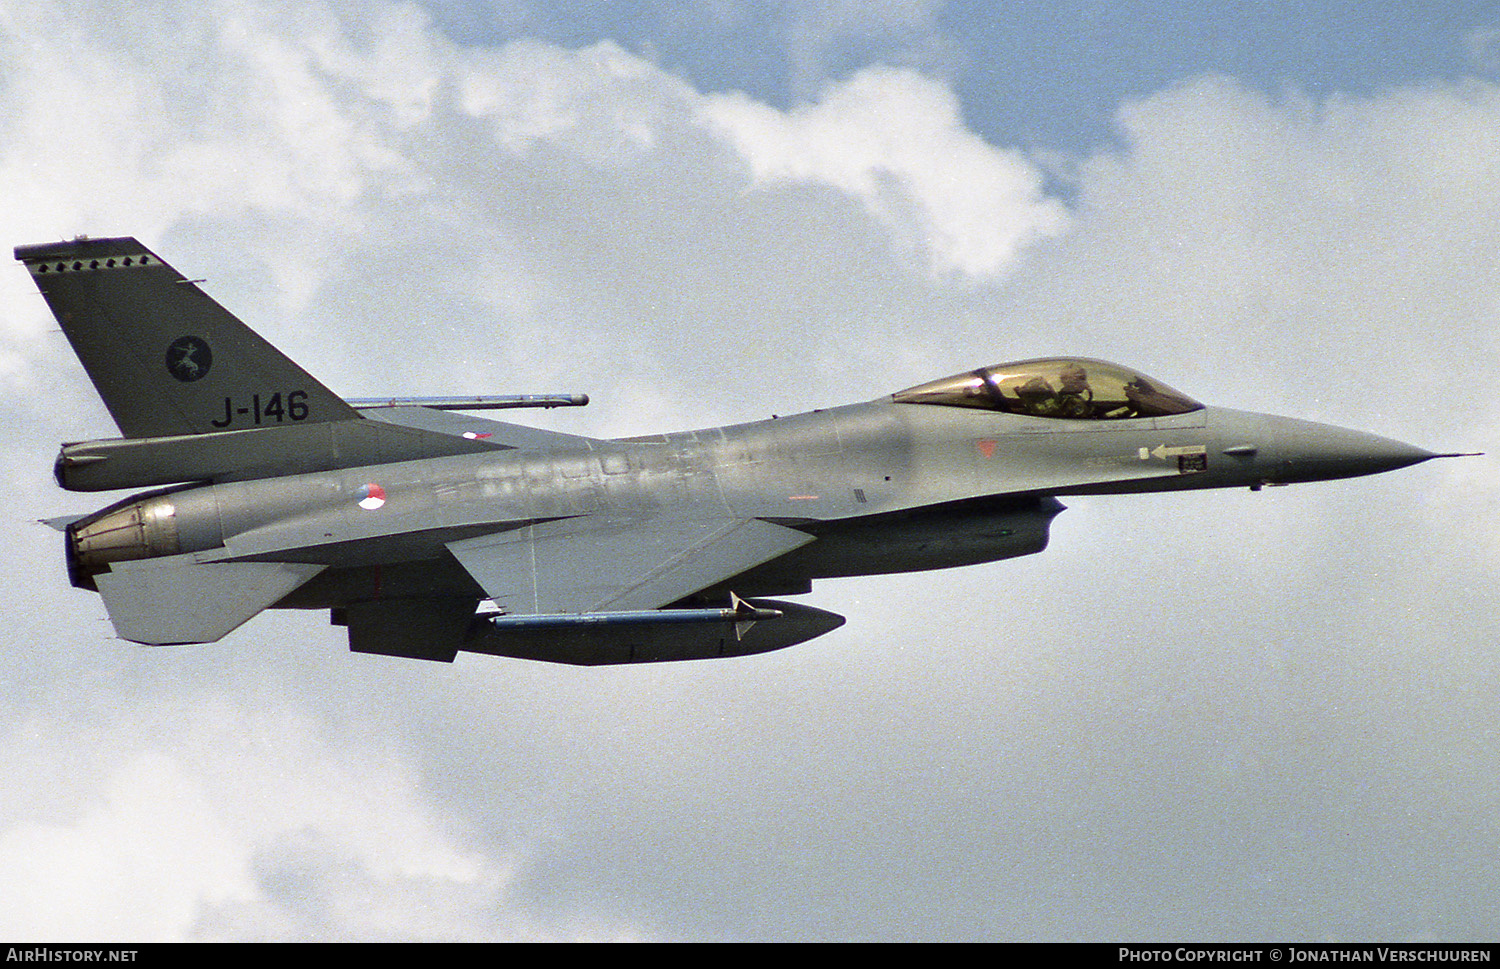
{"points": [[188, 359]]}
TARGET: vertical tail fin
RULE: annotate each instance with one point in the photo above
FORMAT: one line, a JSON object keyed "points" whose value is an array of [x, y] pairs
{"points": [[167, 359]]}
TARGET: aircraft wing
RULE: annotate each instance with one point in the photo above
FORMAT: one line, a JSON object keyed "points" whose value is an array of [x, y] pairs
{"points": [[579, 565]]}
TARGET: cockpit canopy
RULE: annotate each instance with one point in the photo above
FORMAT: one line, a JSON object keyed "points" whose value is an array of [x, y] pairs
{"points": [[1067, 388]]}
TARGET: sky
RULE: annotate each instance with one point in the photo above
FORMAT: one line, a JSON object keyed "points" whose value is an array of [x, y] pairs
{"points": [[1197, 716]]}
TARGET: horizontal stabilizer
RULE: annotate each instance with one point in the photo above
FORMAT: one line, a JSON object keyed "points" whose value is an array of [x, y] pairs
{"points": [[176, 599]]}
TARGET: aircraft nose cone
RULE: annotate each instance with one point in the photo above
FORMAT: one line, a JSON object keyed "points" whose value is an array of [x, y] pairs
{"points": [[1335, 452], [1282, 449]]}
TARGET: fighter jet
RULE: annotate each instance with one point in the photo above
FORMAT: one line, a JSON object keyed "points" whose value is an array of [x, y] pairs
{"points": [[425, 531]]}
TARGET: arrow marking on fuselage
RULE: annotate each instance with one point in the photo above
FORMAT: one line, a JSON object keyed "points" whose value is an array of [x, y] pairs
{"points": [[1163, 452]]}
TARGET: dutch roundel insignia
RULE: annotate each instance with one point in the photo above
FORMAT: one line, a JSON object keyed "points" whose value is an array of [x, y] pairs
{"points": [[371, 496]]}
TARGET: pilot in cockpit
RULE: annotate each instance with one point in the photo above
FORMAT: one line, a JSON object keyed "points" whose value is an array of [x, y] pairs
{"points": [[1072, 400]]}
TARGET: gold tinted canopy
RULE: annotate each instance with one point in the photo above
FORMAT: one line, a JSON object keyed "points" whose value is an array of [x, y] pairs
{"points": [[1069, 388]]}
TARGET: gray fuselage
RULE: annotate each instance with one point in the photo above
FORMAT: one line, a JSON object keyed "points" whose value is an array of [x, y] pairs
{"points": [[883, 487]]}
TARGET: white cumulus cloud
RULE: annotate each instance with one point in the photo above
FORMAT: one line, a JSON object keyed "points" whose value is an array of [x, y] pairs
{"points": [[894, 140]]}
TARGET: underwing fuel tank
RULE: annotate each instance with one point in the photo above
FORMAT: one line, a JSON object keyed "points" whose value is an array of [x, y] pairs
{"points": [[663, 637]]}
